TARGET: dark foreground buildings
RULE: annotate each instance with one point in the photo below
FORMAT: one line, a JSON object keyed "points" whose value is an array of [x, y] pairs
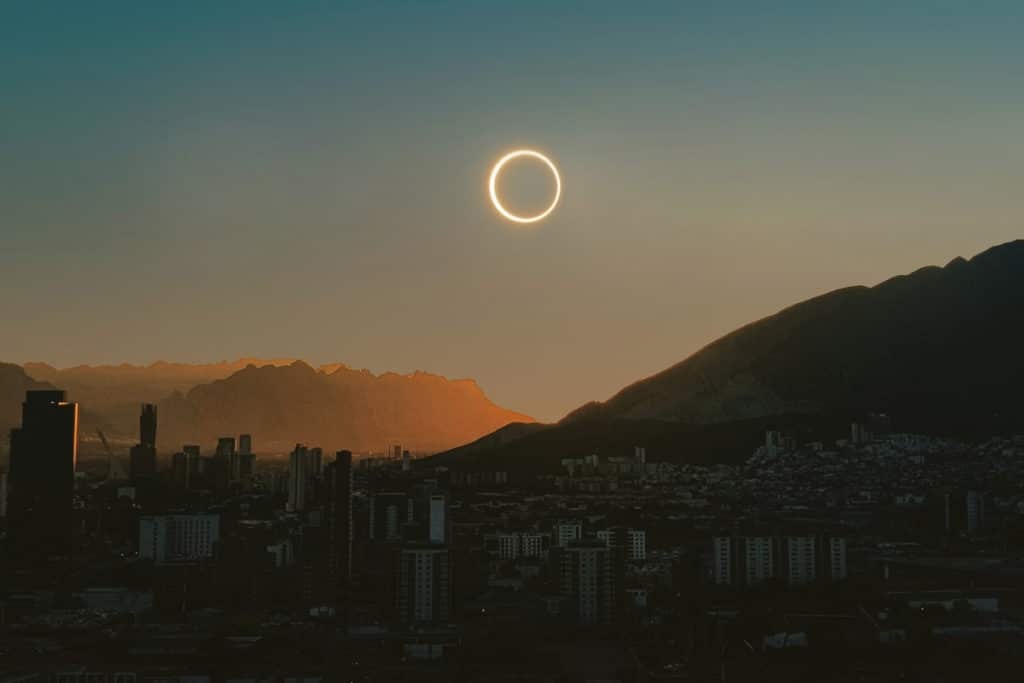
{"points": [[44, 451]]}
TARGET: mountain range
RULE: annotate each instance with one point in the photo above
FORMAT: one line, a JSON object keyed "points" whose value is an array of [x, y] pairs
{"points": [[938, 350], [280, 401]]}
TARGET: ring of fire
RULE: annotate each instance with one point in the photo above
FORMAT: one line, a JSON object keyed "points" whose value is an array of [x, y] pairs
{"points": [[493, 185]]}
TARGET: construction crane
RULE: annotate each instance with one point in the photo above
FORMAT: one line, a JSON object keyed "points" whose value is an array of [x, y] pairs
{"points": [[115, 470]]}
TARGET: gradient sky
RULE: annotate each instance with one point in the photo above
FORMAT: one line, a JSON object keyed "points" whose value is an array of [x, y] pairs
{"points": [[204, 181]]}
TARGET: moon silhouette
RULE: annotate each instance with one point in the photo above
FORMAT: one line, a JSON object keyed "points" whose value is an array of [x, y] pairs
{"points": [[496, 171]]}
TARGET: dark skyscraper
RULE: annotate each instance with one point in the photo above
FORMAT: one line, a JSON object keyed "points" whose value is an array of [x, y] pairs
{"points": [[338, 476], [147, 425], [142, 460], [44, 451], [245, 459]]}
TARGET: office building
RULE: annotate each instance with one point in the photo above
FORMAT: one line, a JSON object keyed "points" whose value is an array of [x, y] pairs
{"points": [[44, 452], [178, 538], [423, 593]]}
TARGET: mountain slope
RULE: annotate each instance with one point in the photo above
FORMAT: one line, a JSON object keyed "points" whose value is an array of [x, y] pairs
{"points": [[335, 408], [939, 349], [114, 392], [940, 339], [14, 382]]}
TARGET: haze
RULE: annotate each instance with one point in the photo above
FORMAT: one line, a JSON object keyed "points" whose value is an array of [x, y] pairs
{"points": [[194, 183]]}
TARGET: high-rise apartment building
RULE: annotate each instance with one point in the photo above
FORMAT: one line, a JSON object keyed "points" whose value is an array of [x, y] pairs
{"points": [[304, 466], [390, 511], [759, 559], [800, 554], [635, 543], [437, 523], [836, 561], [586, 580], [178, 538], [423, 592], [566, 532], [722, 560]]}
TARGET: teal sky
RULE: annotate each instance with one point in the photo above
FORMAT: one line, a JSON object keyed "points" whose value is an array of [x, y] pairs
{"points": [[206, 181]]}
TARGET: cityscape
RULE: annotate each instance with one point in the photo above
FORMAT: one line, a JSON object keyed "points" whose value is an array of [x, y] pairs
{"points": [[220, 562]]}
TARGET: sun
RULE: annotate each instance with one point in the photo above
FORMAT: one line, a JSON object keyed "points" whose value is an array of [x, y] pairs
{"points": [[496, 172]]}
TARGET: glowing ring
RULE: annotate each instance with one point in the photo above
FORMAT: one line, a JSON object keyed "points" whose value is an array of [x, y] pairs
{"points": [[496, 171]]}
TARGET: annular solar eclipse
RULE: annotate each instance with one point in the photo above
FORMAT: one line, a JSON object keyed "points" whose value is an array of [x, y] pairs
{"points": [[496, 173]]}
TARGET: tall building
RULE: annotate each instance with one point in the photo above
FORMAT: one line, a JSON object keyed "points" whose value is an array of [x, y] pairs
{"points": [[147, 425], [225, 447], [180, 471], [759, 559], [722, 560], [423, 594], [142, 457], [195, 464], [800, 554], [3, 494], [566, 531], [510, 545], [390, 511], [975, 512], [246, 459], [586, 579], [964, 511], [406, 461], [44, 452], [743, 560], [533, 544], [836, 560], [338, 517], [178, 538], [635, 543], [302, 468], [437, 522]]}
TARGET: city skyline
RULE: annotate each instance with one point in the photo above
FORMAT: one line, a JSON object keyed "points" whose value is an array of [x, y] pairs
{"points": [[315, 187]]}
